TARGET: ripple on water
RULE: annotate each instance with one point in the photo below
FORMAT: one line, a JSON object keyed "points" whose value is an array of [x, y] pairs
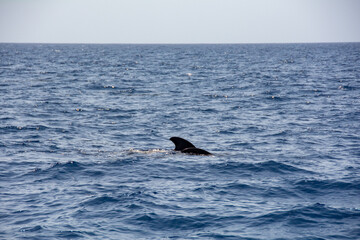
{"points": [[84, 149]]}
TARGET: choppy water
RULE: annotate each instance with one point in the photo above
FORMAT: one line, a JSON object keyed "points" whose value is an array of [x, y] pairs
{"points": [[84, 149]]}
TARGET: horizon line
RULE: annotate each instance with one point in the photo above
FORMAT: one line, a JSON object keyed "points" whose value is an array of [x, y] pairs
{"points": [[179, 43]]}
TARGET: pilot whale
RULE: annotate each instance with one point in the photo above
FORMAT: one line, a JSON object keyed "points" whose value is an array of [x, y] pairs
{"points": [[185, 146]]}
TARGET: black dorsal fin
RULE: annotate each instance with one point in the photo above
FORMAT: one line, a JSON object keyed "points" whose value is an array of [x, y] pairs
{"points": [[181, 144]]}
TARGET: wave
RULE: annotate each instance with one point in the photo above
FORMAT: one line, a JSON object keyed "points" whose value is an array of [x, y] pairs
{"points": [[129, 198], [267, 166], [72, 234], [228, 189], [150, 151], [237, 188], [57, 171], [100, 200], [13, 128], [69, 166], [181, 222], [308, 216], [317, 186], [36, 228]]}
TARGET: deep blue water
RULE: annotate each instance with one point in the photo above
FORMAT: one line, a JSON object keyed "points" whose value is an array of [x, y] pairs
{"points": [[85, 150]]}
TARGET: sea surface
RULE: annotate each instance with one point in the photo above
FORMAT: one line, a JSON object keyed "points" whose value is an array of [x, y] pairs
{"points": [[85, 150]]}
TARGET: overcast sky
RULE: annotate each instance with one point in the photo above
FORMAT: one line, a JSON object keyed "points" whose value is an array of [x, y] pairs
{"points": [[179, 21]]}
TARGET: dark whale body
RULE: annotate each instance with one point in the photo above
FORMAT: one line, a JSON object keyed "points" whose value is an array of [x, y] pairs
{"points": [[187, 147]]}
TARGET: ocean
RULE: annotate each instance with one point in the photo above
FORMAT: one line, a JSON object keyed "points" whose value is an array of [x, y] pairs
{"points": [[85, 150]]}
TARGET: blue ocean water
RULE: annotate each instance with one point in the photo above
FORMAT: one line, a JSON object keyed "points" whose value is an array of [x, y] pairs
{"points": [[85, 150]]}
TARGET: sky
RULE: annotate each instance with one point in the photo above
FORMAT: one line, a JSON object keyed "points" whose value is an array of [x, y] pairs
{"points": [[179, 21]]}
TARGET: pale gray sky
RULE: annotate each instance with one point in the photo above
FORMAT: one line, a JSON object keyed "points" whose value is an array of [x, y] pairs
{"points": [[179, 21]]}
